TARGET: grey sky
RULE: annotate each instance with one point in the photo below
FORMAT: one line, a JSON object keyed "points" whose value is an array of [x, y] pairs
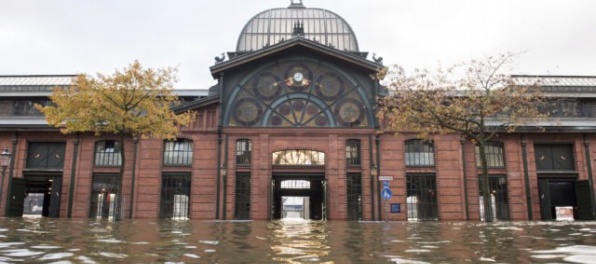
{"points": [[74, 36]]}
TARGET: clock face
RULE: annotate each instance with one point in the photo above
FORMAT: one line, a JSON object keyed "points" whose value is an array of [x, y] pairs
{"points": [[298, 77]]}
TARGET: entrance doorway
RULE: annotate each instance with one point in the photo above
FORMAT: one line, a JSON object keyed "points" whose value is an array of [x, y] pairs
{"points": [[298, 197], [36, 196], [564, 199]]}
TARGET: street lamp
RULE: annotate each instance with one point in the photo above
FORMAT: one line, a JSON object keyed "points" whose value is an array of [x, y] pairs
{"points": [[5, 157]]}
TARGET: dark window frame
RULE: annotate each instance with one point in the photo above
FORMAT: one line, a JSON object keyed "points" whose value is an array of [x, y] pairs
{"points": [[107, 153], [353, 152], [419, 153], [495, 154], [421, 197], [554, 157], [243, 151], [498, 186], [173, 184], [178, 152]]}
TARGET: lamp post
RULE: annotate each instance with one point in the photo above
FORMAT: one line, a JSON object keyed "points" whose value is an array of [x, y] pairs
{"points": [[5, 157]]}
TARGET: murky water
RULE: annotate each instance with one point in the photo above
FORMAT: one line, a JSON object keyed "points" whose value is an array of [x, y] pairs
{"points": [[43, 240]]}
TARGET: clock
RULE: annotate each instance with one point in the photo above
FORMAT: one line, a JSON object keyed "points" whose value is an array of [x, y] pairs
{"points": [[298, 77]]}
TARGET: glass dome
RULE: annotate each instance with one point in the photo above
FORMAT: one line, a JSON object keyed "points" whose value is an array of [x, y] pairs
{"points": [[275, 25]]}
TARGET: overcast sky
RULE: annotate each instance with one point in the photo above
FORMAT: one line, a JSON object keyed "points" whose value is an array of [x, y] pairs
{"points": [[74, 36]]}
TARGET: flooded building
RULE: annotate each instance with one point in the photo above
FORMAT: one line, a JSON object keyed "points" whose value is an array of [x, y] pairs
{"points": [[290, 129]]}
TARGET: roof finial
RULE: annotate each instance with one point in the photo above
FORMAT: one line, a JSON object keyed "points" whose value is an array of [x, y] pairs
{"points": [[296, 4]]}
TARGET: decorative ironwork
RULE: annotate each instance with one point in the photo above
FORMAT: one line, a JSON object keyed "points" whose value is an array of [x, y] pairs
{"points": [[242, 203], [298, 157], [497, 185], [287, 95], [419, 153], [354, 193], [175, 197], [421, 197]]}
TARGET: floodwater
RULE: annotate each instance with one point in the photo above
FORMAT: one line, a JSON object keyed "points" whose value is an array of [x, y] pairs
{"points": [[45, 240]]}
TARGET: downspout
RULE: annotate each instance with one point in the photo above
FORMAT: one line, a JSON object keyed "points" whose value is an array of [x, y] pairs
{"points": [[73, 168], [462, 140], [372, 181], [526, 177], [590, 177], [135, 141], [225, 178], [14, 140], [219, 139], [378, 155]]}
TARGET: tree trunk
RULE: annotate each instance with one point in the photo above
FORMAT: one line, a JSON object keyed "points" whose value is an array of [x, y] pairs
{"points": [[486, 198], [119, 215]]}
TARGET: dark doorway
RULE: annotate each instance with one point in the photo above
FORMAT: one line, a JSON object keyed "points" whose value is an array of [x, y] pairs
{"points": [[36, 195], [298, 195], [558, 199]]}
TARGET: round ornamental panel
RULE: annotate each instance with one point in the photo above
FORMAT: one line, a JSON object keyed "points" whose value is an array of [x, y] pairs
{"points": [[321, 121], [329, 86], [247, 112], [267, 86], [349, 112], [298, 76]]}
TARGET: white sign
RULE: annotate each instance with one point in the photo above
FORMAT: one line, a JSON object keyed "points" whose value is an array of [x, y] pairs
{"points": [[385, 178]]}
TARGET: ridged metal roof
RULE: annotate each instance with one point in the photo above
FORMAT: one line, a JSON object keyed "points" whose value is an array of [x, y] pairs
{"points": [[557, 80], [27, 80], [276, 25]]}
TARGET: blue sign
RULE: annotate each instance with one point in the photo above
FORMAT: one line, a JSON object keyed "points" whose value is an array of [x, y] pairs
{"points": [[395, 208], [385, 184], [386, 193]]}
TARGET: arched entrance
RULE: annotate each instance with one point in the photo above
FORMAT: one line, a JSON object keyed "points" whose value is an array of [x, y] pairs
{"points": [[298, 186], [298, 196]]}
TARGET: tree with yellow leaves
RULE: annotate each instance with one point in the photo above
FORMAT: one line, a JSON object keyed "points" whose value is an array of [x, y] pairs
{"points": [[133, 102], [474, 99]]}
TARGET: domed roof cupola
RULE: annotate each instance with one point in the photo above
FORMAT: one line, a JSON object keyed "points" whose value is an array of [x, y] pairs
{"points": [[278, 24]]}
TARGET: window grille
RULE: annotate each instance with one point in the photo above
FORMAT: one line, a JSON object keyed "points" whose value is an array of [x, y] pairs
{"points": [[178, 152], [104, 197], [175, 197], [353, 152], [107, 153], [421, 197], [243, 151], [419, 153], [497, 185], [354, 189], [242, 205], [495, 157]]}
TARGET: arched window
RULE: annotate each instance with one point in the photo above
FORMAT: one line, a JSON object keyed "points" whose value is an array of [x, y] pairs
{"points": [[177, 152], [298, 157], [419, 153], [353, 152], [494, 154], [243, 151], [107, 153]]}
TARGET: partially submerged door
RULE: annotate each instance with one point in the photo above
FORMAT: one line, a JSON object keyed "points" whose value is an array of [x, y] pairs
{"points": [[17, 198], [54, 210], [585, 200], [544, 195]]}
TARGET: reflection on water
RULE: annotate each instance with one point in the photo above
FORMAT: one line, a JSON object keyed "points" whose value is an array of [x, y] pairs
{"points": [[44, 240]]}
